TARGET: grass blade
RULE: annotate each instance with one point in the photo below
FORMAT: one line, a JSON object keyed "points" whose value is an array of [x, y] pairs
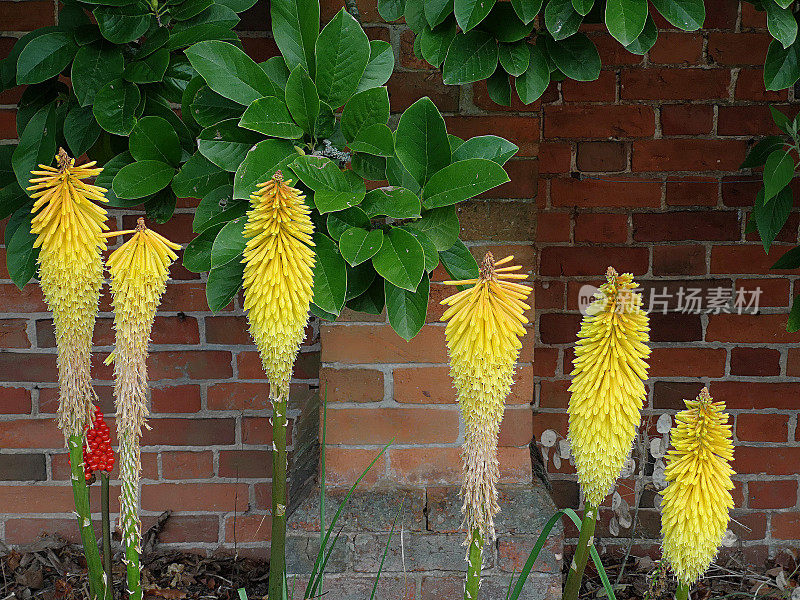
{"points": [[601, 570], [385, 551], [242, 594], [540, 542]]}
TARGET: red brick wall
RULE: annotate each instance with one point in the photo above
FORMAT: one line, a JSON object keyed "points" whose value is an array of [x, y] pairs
{"points": [[637, 170]]}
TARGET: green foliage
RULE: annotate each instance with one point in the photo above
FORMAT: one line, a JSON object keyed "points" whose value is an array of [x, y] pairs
{"points": [[125, 70], [320, 114]]}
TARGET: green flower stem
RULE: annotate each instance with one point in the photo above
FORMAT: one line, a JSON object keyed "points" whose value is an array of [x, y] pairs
{"points": [[683, 592], [106, 520], [134, 572], [474, 564], [277, 551], [80, 493], [585, 542]]}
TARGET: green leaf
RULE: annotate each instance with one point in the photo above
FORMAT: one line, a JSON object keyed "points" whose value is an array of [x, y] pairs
{"points": [[400, 259], [582, 7], [781, 120], [625, 19], [295, 26], [6, 171], [330, 275], [683, 14], [515, 58], [115, 106], [158, 107], [462, 180], [80, 129], [200, 33], [226, 144], [790, 260], [302, 99], [216, 14], [504, 24], [238, 6], [428, 247], [490, 147], [229, 243], [359, 279], [527, 9], [366, 108], [229, 71], [20, 254], [646, 40], [421, 140], [391, 10], [223, 284], [407, 310], [372, 168], [771, 215], [758, 154], [93, 67], [778, 172], [437, 11], [499, 88], [197, 254], [441, 225], [153, 138], [781, 23], [209, 108], [334, 189], [471, 12], [12, 197], [155, 39], [358, 245], [782, 66], [260, 164], [188, 96], [142, 178], [45, 57], [380, 66], [150, 69], [106, 178], [576, 57], [122, 24], [534, 81], [198, 177], [394, 202], [326, 122], [189, 8], [793, 324], [37, 145], [372, 301], [374, 139], [342, 52], [339, 222], [434, 43], [36, 97], [278, 74], [471, 57], [271, 117], [561, 19], [217, 207], [161, 206], [458, 261], [415, 15]]}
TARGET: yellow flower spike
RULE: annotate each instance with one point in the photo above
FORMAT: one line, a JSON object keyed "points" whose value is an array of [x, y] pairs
{"points": [[608, 384], [68, 226], [278, 276], [139, 270], [484, 326], [696, 504]]}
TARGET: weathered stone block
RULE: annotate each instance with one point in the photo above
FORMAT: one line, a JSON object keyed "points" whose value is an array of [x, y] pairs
{"points": [[537, 587], [413, 552], [302, 550]]}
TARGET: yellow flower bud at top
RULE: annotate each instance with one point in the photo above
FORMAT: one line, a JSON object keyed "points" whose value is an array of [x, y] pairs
{"points": [[278, 276], [68, 226], [484, 325], [696, 504], [608, 384]]}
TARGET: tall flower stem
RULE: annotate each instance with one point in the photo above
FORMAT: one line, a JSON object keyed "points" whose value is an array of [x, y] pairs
{"points": [[474, 564], [80, 493], [106, 520], [585, 542], [277, 557], [683, 592]]}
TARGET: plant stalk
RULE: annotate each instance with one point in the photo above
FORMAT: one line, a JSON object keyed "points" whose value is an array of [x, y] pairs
{"points": [[106, 520], [585, 542], [277, 551], [133, 571], [474, 564], [683, 592], [80, 493]]}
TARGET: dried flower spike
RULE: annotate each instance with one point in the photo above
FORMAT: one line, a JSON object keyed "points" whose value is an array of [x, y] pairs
{"points": [[484, 325], [697, 501], [608, 384], [69, 225]]}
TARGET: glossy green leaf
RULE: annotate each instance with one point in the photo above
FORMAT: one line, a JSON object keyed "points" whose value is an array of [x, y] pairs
{"points": [[37, 145], [372, 168], [302, 99], [278, 74], [106, 179], [153, 138], [271, 117], [407, 310], [490, 147], [334, 189], [582, 7], [340, 221], [226, 144], [161, 206], [374, 139], [471, 12], [400, 259], [782, 66], [200, 33], [115, 106], [778, 172], [150, 69], [458, 261], [683, 14], [428, 248], [342, 54], [441, 225], [295, 26], [758, 154], [209, 108], [434, 43], [20, 254], [793, 323], [260, 164], [372, 301], [6, 171], [198, 177], [790, 260], [646, 40], [358, 245], [414, 15], [197, 254], [359, 279], [771, 215], [534, 81], [437, 11], [461, 181], [527, 9], [471, 57], [142, 178], [366, 108], [499, 88], [229, 243], [576, 57], [189, 8], [561, 19], [781, 23], [515, 58], [781, 120], [218, 207], [158, 107], [380, 66], [625, 19], [122, 24], [394, 202], [12, 197], [45, 57], [223, 284], [421, 140], [216, 14], [80, 129], [504, 24], [330, 275], [391, 10]]}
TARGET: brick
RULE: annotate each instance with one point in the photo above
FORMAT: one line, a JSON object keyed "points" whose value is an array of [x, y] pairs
{"points": [[256, 431], [554, 157], [755, 395], [687, 362], [675, 48], [774, 292], [428, 465], [687, 119], [748, 329], [228, 331], [687, 155], [24, 531], [36, 498], [750, 460], [352, 385], [260, 48], [595, 193], [22, 467], [729, 259], [537, 586], [404, 425], [553, 227], [246, 464], [669, 395], [740, 48], [524, 181], [244, 529], [200, 497], [187, 297], [674, 84], [602, 89], [380, 344], [762, 428], [433, 385], [405, 88], [679, 260], [675, 327], [613, 53], [238, 396], [559, 328], [368, 10], [587, 261], [749, 526], [13, 333], [748, 120], [345, 465], [750, 86], [738, 192], [488, 220], [192, 364], [186, 528], [522, 131], [187, 465], [721, 15], [554, 394], [37, 367], [15, 400], [175, 399], [422, 552], [596, 121], [785, 525], [599, 157], [686, 225], [189, 432], [407, 57], [698, 191], [549, 294], [516, 429], [755, 362], [30, 433], [26, 16]]}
